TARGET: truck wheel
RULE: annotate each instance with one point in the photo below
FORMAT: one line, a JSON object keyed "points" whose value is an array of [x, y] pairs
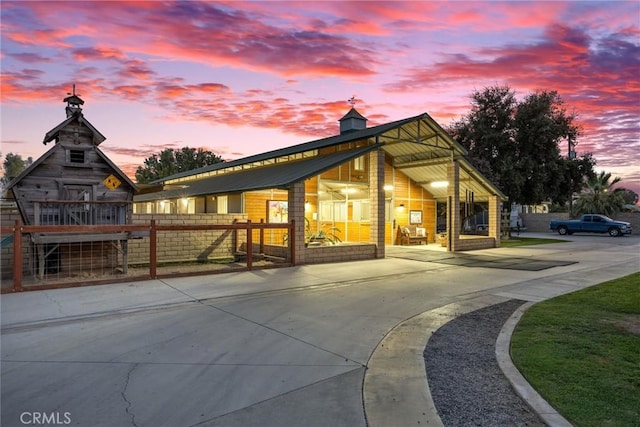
{"points": [[562, 230], [614, 232]]}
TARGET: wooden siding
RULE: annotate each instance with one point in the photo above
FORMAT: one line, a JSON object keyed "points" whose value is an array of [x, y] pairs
{"points": [[56, 178]]}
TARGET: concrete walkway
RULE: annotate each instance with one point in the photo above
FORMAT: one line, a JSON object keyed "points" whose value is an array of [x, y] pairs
{"points": [[318, 345]]}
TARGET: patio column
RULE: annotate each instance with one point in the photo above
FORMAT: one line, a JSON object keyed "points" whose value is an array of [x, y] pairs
{"points": [[494, 219], [453, 206], [296, 197], [376, 201]]}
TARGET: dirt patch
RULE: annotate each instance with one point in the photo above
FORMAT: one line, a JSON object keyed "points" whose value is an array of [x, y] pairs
{"points": [[630, 323]]}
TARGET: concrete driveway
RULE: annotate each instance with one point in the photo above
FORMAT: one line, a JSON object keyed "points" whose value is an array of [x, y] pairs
{"points": [[281, 347]]}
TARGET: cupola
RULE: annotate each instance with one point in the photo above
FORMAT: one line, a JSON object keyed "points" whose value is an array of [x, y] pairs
{"points": [[353, 120], [73, 103]]}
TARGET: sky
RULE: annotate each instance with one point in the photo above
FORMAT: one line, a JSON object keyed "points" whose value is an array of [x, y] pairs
{"points": [[240, 78]]}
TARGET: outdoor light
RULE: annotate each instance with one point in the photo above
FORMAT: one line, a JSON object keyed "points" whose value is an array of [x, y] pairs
{"points": [[439, 184], [388, 187], [401, 207]]}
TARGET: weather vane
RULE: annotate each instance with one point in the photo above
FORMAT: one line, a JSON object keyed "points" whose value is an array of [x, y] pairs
{"points": [[74, 90], [352, 101]]}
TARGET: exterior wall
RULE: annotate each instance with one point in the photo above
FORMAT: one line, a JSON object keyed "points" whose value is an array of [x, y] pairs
{"points": [[55, 178], [376, 198], [494, 220], [408, 196], [453, 206], [474, 243], [339, 253], [255, 203], [187, 245], [296, 212]]}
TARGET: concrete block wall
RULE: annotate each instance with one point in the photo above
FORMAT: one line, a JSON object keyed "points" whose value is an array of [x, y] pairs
{"points": [[338, 253], [476, 243], [187, 245]]}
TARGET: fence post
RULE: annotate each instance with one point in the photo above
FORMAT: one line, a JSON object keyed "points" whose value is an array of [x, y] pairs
{"points": [[153, 250], [261, 236], [249, 245], [17, 256]]}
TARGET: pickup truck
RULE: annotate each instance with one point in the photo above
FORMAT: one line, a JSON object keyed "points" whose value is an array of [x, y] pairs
{"points": [[591, 224]]}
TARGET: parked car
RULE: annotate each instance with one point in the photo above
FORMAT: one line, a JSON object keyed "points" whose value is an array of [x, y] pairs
{"points": [[591, 224]]}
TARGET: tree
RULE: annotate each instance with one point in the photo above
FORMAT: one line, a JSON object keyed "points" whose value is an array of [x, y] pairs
{"points": [[629, 197], [13, 165], [599, 196], [488, 133], [517, 144], [172, 161]]}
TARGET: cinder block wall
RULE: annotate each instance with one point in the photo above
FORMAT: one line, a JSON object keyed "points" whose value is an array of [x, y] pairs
{"points": [[187, 245], [338, 253]]}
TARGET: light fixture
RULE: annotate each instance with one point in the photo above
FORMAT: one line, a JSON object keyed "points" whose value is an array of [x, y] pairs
{"points": [[348, 190], [440, 184], [401, 207], [388, 187]]}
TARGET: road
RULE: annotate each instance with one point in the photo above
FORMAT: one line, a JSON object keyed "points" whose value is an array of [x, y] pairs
{"points": [[281, 347]]}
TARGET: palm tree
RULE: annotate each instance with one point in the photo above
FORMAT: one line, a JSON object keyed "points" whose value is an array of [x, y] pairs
{"points": [[599, 196]]}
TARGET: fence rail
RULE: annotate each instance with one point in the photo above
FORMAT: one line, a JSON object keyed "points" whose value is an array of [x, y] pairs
{"points": [[246, 243]]}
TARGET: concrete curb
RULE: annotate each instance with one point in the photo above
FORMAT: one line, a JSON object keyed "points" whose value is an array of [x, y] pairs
{"points": [[522, 387], [395, 388]]}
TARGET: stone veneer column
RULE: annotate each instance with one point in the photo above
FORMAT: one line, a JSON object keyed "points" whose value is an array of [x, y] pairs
{"points": [[453, 206], [376, 200], [296, 198], [495, 219]]}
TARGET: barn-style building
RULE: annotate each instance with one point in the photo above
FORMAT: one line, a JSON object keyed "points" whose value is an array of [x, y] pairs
{"points": [[405, 181], [75, 183]]}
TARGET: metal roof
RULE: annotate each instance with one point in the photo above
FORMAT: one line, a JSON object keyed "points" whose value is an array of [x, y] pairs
{"points": [[418, 146], [277, 175]]}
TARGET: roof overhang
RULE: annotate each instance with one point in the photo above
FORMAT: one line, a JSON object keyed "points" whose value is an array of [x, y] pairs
{"points": [[277, 176]]}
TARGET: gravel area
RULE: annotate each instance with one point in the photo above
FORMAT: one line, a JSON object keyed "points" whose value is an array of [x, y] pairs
{"points": [[467, 386]]}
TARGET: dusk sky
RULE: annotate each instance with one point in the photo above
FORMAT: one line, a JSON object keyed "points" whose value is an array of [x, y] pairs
{"points": [[240, 78]]}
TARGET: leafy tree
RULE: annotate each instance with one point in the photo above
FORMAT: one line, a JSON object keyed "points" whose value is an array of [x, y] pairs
{"points": [[517, 144], [599, 196], [13, 165], [488, 133], [172, 161], [629, 197]]}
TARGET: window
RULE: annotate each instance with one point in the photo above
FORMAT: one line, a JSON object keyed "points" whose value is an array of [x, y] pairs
{"points": [[333, 211], [358, 163], [361, 210], [76, 156]]}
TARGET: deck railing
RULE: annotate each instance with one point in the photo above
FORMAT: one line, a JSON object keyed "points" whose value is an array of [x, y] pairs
{"points": [[63, 212]]}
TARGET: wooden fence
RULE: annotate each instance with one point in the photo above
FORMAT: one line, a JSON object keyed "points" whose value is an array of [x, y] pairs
{"points": [[249, 251]]}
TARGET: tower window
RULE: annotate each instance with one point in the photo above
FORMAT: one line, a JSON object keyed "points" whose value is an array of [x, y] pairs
{"points": [[76, 156]]}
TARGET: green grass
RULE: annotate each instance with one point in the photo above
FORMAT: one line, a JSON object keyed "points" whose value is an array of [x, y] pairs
{"points": [[581, 352], [513, 242]]}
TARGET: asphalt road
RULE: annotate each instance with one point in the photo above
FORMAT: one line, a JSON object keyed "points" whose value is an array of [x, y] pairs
{"points": [[282, 347]]}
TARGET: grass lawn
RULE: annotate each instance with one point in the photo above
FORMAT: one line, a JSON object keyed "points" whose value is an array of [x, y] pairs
{"points": [[527, 241], [581, 352]]}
